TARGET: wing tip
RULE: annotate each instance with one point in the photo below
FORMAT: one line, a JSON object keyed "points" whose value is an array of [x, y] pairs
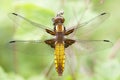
{"points": [[12, 41], [103, 13], [108, 41], [14, 14]]}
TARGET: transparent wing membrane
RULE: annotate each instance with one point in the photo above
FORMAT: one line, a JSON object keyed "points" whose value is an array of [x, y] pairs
{"points": [[27, 29], [92, 45], [15, 15], [70, 58], [98, 18], [76, 61], [91, 25], [35, 55]]}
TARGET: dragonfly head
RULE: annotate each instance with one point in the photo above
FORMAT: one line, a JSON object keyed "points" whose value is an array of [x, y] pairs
{"points": [[58, 19]]}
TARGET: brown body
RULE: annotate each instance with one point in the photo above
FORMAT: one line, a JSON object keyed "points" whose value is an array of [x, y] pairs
{"points": [[59, 43]]}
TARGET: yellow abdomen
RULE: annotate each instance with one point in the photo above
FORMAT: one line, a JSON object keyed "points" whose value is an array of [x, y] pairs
{"points": [[59, 58]]}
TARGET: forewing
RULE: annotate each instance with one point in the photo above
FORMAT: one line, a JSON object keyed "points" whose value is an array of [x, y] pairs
{"points": [[89, 26], [15, 15], [23, 28]]}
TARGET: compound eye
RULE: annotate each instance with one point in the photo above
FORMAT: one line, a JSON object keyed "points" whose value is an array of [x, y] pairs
{"points": [[53, 19], [62, 20]]}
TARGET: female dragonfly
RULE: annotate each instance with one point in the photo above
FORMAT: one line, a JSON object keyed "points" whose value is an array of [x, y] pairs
{"points": [[59, 43]]}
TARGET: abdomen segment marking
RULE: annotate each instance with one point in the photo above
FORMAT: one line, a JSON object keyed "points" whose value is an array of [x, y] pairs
{"points": [[59, 58]]}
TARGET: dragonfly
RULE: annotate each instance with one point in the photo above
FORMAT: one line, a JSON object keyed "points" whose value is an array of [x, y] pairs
{"points": [[60, 42]]}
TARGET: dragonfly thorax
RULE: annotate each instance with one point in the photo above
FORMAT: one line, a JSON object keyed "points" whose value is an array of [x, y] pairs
{"points": [[60, 37], [59, 28]]}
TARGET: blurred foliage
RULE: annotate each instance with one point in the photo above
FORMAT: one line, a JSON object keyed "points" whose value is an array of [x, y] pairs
{"points": [[32, 61]]}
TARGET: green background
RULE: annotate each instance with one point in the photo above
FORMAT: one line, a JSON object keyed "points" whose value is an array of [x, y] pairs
{"points": [[31, 61]]}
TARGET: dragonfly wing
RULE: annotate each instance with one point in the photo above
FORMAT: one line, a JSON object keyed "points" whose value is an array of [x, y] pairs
{"points": [[92, 45], [79, 63], [72, 63], [15, 15], [90, 26], [70, 59], [32, 56], [26, 31], [86, 46]]}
